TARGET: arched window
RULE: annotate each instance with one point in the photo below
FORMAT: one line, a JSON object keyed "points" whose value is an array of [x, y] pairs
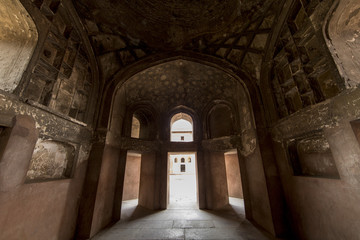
{"points": [[220, 121], [182, 160], [181, 128], [143, 125], [135, 128]]}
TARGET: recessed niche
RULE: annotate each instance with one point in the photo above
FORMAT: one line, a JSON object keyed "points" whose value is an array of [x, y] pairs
{"points": [[51, 160], [3, 139], [311, 156], [355, 125]]}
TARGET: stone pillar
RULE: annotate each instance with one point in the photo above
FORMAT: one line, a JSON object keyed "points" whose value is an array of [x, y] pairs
{"points": [[201, 180], [217, 192], [88, 197], [245, 184], [105, 193], [16, 148], [119, 187], [147, 192], [162, 178]]}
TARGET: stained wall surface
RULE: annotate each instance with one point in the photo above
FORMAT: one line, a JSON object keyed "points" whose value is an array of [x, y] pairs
{"points": [[28, 207], [323, 207], [343, 28], [18, 37], [42, 200], [233, 175], [132, 177], [304, 98]]}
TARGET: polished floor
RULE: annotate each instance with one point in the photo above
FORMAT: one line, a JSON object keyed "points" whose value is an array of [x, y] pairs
{"points": [[182, 222]]}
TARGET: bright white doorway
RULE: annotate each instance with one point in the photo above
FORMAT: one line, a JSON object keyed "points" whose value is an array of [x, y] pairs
{"points": [[182, 176]]}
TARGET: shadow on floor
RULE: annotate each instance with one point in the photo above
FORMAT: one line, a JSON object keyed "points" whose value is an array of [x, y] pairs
{"points": [[182, 223]]}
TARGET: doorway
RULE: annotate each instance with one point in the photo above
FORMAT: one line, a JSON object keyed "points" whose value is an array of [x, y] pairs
{"points": [[182, 179]]}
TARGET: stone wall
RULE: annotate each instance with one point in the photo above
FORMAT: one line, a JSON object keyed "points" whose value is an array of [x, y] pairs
{"points": [[28, 206], [323, 197], [132, 177], [342, 37], [60, 77], [18, 37], [233, 175], [42, 174], [303, 73]]}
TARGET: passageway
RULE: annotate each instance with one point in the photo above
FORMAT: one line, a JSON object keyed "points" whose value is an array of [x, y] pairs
{"points": [[182, 179], [185, 223]]}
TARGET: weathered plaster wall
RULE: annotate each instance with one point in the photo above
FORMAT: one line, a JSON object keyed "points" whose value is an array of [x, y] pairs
{"points": [[324, 208], [132, 177], [233, 175], [29, 210], [51, 160], [53, 91], [18, 37], [342, 35], [45, 210]]}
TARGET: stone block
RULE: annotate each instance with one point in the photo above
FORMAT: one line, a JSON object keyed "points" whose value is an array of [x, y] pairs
{"points": [[126, 57], [288, 85], [293, 100], [302, 82], [221, 52], [326, 85], [303, 54], [299, 20], [295, 65], [308, 98], [243, 41], [236, 56], [91, 27], [292, 51], [312, 49], [284, 73], [259, 41], [267, 22], [107, 42], [62, 103], [35, 88]]}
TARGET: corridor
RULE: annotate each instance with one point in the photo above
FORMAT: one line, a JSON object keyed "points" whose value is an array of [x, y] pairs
{"points": [[182, 222]]}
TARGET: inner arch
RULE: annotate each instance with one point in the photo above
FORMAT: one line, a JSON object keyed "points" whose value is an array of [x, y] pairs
{"points": [[181, 128]]}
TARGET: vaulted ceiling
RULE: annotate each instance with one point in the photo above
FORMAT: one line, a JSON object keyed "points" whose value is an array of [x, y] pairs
{"points": [[172, 24], [123, 32]]}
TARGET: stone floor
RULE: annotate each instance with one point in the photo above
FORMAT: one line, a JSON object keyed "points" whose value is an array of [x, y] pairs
{"points": [[182, 222]]}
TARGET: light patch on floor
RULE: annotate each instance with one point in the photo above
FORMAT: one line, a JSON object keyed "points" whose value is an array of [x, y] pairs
{"points": [[138, 223]]}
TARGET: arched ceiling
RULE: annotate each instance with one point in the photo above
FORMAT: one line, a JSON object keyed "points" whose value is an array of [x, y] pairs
{"points": [[124, 32], [181, 82], [171, 24]]}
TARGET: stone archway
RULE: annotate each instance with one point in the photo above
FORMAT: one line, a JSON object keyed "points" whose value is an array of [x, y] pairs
{"points": [[203, 82]]}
